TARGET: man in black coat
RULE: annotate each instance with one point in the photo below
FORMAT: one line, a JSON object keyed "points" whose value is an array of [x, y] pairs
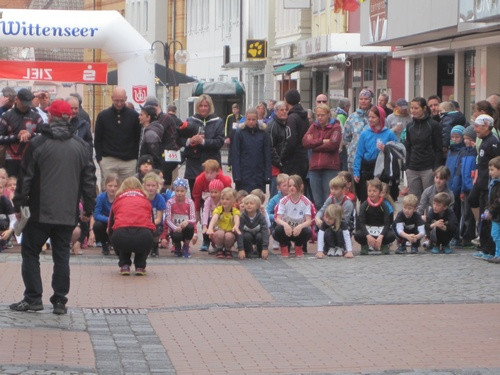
{"points": [[56, 172], [294, 155]]}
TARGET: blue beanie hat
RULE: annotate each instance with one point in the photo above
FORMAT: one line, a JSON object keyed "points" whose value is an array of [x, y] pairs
{"points": [[459, 129]]}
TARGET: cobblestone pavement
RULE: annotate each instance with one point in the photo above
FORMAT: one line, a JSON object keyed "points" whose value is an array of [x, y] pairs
{"points": [[414, 314]]}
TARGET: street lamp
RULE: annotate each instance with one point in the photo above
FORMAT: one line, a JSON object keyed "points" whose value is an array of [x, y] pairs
{"points": [[181, 56]]}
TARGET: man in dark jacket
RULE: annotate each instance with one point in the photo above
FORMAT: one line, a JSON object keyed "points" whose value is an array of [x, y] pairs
{"points": [[81, 127], [276, 128], [16, 128], [116, 137], [478, 197], [168, 137], [55, 172], [294, 155]]}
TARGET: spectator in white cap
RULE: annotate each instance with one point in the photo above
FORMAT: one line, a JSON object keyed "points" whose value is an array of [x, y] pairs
{"points": [[478, 197]]}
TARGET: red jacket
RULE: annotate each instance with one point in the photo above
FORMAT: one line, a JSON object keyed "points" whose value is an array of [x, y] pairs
{"points": [[324, 155], [131, 208], [201, 186]]}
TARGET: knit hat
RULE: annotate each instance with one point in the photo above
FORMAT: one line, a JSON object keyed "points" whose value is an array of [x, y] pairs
{"points": [[459, 129], [484, 120], [216, 184], [59, 108], [180, 182], [470, 133], [292, 97], [145, 159]]}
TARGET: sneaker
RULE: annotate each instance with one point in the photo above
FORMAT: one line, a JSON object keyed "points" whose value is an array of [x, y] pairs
{"points": [[338, 252], [140, 271], [414, 250], [125, 270], [59, 308], [385, 250], [204, 247], [447, 250], [284, 251], [467, 245], [299, 253], [331, 252], [220, 254], [105, 249], [400, 250], [476, 241], [453, 242], [478, 255], [435, 250], [426, 244], [487, 256], [27, 306], [228, 254], [495, 260], [9, 245], [364, 250], [185, 251], [178, 251], [211, 250]]}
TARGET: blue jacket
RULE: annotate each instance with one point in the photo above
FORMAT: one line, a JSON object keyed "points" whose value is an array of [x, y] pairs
{"points": [[467, 165], [251, 157], [102, 208], [453, 164], [367, 146], [273, 202]]}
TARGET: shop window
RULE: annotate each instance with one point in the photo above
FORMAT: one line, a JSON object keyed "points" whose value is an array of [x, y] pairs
{"points": [[417, 77], [381, 67], [469, 83], [368, 71], [356, 71]]}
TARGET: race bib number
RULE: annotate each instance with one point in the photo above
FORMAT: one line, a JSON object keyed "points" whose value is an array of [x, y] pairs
{"points": [[178, 219], [172, 156], [374, 231], [292, 223]]}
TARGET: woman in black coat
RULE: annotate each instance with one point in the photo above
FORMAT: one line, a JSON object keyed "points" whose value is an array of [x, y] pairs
{"points": [[202, 136]]}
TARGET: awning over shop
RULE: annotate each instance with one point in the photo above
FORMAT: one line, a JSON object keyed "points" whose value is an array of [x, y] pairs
{"points": [[287, 68], [219, 88], [174, 78]]}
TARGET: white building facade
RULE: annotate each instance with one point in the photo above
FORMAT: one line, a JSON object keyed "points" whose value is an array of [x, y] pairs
{"points": [[451, 47]]}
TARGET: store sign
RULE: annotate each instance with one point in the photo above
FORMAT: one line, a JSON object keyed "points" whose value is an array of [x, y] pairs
{"points": [[35, 29], [312, 46], [479, 10], [54, 71], [378, 20], [256, 49]]}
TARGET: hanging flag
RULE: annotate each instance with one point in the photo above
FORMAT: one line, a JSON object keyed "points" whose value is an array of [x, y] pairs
{"points": [[350, 5]]}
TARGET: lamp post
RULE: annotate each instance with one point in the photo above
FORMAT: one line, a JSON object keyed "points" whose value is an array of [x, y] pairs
{"points": [[181, 56]]}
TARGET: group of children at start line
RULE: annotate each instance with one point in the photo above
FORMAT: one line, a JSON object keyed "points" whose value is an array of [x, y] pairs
{"points": [[230, 217]]}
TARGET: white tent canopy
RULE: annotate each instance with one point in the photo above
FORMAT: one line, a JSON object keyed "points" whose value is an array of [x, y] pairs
{"points": [[107, 30]]}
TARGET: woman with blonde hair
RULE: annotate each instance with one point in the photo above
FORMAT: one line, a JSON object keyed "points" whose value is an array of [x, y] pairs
{"points": [[202, 135], [131, 226], [324, 138]]}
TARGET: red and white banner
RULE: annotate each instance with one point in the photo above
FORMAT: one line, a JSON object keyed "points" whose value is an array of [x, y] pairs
{"points": [[58, 71]]}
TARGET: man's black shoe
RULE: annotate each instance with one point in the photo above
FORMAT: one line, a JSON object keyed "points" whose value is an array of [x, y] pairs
{"points": [[59, 308], [26, 306]]}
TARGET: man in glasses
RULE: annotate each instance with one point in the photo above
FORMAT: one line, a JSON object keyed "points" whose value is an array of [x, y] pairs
{"points": [[321, 99]]}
